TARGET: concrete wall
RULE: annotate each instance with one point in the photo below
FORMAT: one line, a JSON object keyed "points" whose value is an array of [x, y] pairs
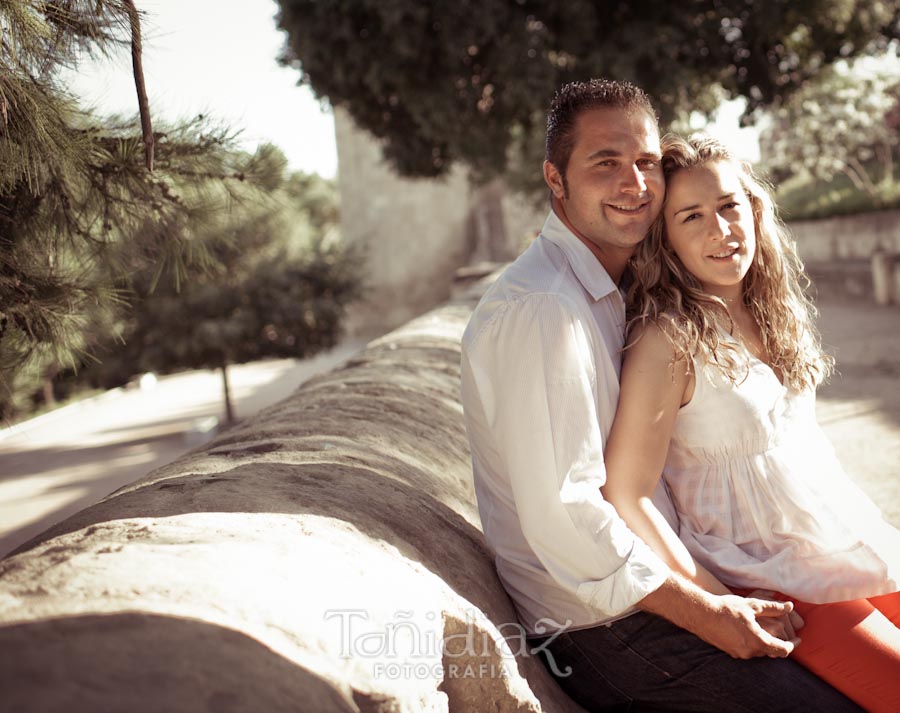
{"points": [[416, 233]]}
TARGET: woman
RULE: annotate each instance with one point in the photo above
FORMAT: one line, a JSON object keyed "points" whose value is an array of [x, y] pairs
{"points": [[718, 394]]}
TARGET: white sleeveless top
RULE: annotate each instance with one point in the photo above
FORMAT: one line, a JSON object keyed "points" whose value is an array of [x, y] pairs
{"points": [[762, 499]]}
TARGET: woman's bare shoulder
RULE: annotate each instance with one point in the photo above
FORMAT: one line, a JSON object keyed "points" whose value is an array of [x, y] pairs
{"points": [[659, 336]]}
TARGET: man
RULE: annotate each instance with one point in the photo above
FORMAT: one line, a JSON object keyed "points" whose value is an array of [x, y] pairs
{"points": [[540, 369]]}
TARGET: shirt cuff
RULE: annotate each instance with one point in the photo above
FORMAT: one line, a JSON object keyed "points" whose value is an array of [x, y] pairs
{"points": [[641, 573]]}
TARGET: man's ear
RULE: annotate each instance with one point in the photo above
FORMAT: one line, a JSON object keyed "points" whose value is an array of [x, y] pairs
{"points": [[554, 179]]}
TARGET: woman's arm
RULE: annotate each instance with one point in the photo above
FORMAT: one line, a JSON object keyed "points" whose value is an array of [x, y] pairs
{"points": [[654, 385]]}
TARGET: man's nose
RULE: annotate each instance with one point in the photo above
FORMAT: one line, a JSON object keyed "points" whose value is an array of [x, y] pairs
{"points": [[633, 180]]}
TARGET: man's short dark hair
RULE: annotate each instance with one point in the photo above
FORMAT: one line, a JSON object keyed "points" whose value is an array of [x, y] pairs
{"points": [[577, 97]]}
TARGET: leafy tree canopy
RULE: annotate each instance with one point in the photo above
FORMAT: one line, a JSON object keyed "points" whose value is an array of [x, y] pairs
{"points": [[847, 122], [459, 80]]}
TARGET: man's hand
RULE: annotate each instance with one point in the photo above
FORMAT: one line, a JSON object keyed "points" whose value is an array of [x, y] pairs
{"points": [[749, 627], [728, 622], [786, 627]]}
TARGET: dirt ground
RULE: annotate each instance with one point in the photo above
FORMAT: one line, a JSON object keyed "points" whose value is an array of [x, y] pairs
{"points": [[860, 407]]}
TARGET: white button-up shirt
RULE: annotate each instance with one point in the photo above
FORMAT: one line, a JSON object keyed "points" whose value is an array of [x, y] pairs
{"points": [[541, 358]]}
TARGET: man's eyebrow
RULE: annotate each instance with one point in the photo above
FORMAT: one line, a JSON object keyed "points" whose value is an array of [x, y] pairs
{"points": [[604, 153], [694, 207], [614, 153]]}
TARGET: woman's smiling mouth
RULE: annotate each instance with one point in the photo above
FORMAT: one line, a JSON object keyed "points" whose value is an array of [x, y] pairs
{"points": [[725, 254]]}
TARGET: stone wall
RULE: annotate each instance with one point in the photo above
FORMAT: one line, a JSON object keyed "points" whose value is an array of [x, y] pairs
{"points": [[324, 556]]}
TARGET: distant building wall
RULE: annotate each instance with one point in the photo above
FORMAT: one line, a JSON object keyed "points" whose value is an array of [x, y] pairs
{"points": [[417, 232], [850, 237]]}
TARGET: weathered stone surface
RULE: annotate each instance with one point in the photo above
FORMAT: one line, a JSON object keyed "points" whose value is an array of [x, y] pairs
{"points": [[324, 556]]}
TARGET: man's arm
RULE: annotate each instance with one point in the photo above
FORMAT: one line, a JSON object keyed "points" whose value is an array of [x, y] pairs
{"points": [[531, 369], [728, 622]]}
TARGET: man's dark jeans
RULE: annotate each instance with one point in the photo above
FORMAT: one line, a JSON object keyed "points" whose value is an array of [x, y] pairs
{"points": [[644, 663]]}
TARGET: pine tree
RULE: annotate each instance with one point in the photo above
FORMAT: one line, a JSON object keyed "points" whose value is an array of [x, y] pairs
{"points": [[85, 200], [277, 286]]}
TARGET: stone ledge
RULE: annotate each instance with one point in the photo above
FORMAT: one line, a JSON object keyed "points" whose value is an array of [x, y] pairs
{"points": [[324, 556]]}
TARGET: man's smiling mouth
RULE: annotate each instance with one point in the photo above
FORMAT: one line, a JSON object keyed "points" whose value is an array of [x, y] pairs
{"points": [[629, 208]]}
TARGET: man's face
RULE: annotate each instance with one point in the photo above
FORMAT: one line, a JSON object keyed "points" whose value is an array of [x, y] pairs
{"points": [[614, 179]]}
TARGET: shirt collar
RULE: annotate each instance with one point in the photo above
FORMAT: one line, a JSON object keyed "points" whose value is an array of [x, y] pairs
{"points": [[587, 268]]}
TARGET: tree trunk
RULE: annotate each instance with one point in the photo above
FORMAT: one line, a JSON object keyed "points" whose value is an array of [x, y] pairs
{"points": [[138, 69], [886, 156], [489, 231], [229, 410], [862, 180], [47, 385]]}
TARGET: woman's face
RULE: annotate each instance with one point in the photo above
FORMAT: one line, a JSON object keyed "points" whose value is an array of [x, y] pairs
{"points": [[710, 225]]}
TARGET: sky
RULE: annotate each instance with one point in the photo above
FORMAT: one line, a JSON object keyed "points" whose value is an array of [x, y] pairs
{"points": [[219, 59]]}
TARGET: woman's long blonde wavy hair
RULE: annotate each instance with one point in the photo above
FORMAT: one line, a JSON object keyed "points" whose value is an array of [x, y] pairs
{"points": [[665, 293]]}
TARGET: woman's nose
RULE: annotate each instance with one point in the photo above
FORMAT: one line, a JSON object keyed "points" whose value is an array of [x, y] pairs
{"points": [[721, 228]]}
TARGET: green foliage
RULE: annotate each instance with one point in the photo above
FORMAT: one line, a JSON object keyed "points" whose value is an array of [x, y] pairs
{"points": [[847, 123], [456, 80], [78, 209], [274, 284], [314, 202], [802, 197], [278, 307]]}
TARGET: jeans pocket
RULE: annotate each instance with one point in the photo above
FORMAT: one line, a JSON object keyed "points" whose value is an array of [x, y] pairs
{"points": [[581, 674], [552, 649]]}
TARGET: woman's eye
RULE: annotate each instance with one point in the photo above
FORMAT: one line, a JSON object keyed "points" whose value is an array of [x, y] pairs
{"points": [[692, 216], [730, 206]]}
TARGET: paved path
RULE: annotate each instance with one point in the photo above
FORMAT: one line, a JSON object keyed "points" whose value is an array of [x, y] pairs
{"points": [[57, 464], [860, 408]]}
